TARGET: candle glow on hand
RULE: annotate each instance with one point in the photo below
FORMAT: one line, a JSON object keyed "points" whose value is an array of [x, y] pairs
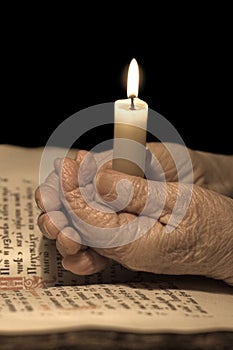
{"points": [[130, 125]]}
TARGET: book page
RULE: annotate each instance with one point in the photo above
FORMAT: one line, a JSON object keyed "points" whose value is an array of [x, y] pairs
{"points": [[27, 260], [164, 304], [38, 295]]}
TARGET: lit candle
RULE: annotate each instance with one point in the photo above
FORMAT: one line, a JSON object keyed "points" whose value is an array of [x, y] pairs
{"points": [[130, 125]]}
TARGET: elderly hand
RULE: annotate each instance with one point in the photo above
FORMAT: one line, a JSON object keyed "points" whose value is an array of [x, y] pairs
{"points": [[209, 170], [145, 225]]}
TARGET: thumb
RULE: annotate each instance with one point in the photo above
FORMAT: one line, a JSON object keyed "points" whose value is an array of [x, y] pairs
{"points": [[166, 202], [138, 196]]}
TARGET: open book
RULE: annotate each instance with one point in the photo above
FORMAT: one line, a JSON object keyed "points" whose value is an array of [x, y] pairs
{"points": [[37, 295]]}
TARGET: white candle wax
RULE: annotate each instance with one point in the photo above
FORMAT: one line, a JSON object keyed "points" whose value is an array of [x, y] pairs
{"points": [[130, 128]]}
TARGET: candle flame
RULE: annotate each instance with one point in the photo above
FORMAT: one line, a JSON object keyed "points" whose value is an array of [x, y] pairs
{"points": [[133, 79]]}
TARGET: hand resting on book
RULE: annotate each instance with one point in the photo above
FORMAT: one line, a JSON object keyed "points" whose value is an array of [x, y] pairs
{"points": [[153, 225]]}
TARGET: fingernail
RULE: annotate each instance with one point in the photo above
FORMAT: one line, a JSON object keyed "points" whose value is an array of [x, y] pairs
{"points": [[38, 200], [45, 230], [40, 206], [43, 227]]}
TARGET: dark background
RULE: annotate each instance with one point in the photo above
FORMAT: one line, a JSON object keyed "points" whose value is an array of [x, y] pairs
{"points": [[57, 62]]}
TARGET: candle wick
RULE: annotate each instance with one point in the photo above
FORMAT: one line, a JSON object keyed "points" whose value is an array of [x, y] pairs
{"points": [[132, 102]]}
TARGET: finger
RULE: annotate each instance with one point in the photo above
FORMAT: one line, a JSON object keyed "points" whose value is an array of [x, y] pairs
{"points": [[76, 173], [47, 194], [69, 242], [98, 224], [78, 198], [140, 195], [82, 210], [85, 262], [52, 223], [168, 161], [122, 191]]}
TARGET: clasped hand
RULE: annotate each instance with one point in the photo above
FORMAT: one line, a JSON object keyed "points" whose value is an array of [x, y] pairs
{"points": [[162, 224]]}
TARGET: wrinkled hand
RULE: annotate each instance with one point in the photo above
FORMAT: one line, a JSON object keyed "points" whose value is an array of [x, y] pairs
{"points": [[209, 170], [180, 229]]}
